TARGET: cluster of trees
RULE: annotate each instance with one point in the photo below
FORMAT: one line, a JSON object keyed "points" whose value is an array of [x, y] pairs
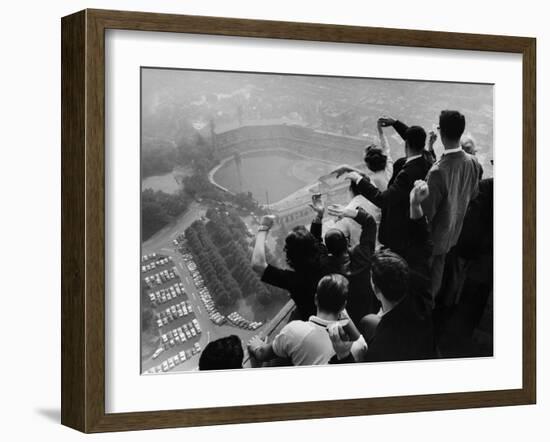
{"points": [[198, 185], [158, 161], [159, 208], [223, 255], [222, 286], [228, 232], [197, 152]]}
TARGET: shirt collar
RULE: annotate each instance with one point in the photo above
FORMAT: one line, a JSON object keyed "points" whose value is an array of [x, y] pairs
{"points": [[448, 151], [414, 157], [319, 321]]}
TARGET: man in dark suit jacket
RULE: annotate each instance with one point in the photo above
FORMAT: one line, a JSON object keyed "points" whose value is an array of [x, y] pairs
{"points": [[403, 329], [394, 201]]}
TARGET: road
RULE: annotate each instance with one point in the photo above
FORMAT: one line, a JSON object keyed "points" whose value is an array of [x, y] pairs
{"points": [[162, 243]]}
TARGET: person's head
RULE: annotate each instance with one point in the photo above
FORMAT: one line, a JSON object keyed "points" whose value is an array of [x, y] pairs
{"points": [[415, 140], [332, 294], [375, 159], [301, 249], [468, 144], [336, 242], [389, 275], [451, 127], [222, 354]]}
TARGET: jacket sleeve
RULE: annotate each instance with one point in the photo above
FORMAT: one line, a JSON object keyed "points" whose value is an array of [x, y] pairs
{"points": [[316, 230], [367, 240], [431, 204], [400, 128], [399, 187], [420, 243]]}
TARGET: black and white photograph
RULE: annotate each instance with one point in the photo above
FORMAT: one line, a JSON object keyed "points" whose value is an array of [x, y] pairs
{"points": [[301, 220]]}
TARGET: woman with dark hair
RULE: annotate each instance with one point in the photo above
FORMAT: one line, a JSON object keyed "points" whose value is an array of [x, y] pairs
{"points": [[379, 169], [303, 252], [222, 354], [378, 159], [375, 159]]}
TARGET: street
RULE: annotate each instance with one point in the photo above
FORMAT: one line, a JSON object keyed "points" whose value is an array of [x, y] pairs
{"points": [[162, 243]]}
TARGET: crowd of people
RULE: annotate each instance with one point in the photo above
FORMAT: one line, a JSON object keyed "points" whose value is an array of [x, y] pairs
{"points": [[404, 274]]}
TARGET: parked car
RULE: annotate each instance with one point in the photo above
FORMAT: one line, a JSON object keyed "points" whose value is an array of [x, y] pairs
{"points": [[157, 353]]}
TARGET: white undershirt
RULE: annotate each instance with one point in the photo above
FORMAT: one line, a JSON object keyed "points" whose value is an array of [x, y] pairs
{"points": [[447, 151], [414, 157]]}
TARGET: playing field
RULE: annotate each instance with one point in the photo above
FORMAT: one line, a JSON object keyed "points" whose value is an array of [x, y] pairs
{"points": [[270, 176]]}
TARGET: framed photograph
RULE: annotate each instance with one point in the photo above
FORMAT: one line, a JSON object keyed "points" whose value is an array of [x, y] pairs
{"points": [[267, 220]]}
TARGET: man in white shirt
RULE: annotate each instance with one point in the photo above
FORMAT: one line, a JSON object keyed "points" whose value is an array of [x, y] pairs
{"points": [[308, 342]]}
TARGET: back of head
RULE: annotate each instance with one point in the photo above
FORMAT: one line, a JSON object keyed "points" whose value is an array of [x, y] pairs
{"points": [[301, 249], [416, 138], [451, 125], [375, 159], [390, 274], [468, 144], [332, 293], [222, 354], [336, 242]]}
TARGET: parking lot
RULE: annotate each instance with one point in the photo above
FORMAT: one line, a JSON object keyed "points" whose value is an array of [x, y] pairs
{"points": [[163, 244], [177, 324]]}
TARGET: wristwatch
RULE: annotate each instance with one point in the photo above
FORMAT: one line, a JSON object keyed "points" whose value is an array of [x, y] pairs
{"points": [[263, 228]]}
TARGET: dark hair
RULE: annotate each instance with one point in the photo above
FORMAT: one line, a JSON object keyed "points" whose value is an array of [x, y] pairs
{"points": [[390, 273], [222, 354], [336, 242], [301, 249], [416, 137], [375, 159], [332, 293], [451, 124]]}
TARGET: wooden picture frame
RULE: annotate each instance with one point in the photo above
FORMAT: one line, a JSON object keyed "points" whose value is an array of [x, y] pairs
{"points": [[83, 219]]}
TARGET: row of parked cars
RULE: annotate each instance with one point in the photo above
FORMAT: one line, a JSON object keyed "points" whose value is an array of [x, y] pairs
{"points": [[148, 257], [166, 294], [161, 277], [179, 239], [236, 319], [181, 334], [175, 360], [173, 312], [157, 263], [215, 316]]}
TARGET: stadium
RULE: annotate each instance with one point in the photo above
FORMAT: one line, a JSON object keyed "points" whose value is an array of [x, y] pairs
{"points": [[303, 155]]}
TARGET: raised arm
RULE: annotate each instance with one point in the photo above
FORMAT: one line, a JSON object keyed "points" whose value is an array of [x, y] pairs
{"points": [[367, 239], [382, 137], [260, 350], [399, 126], [259, 261], [432, 138], [420, 245], [318, 207], [430, 205], [399, 187]]}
